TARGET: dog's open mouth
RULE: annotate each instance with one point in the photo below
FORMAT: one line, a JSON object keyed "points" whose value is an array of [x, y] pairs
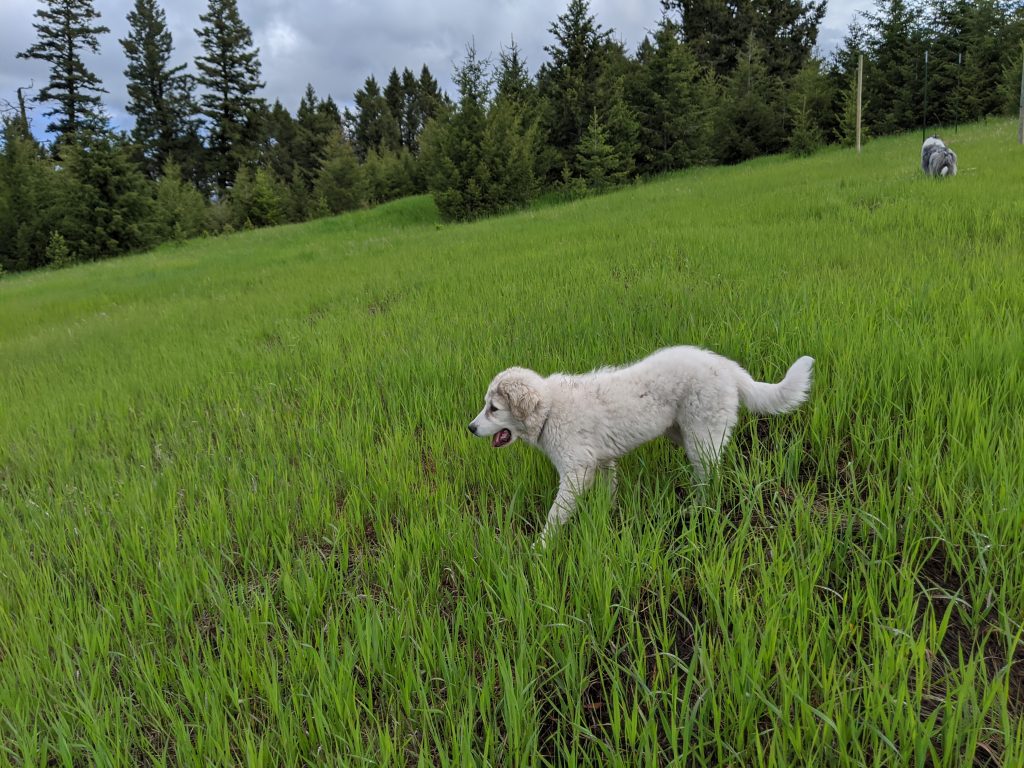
{"points": [[504, 437]]}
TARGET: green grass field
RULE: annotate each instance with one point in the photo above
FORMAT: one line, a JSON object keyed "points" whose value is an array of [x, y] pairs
{"points": [[242, 521]]}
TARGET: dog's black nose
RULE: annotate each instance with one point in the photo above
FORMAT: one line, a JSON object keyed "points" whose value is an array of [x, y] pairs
{"points": [[472, 428]]}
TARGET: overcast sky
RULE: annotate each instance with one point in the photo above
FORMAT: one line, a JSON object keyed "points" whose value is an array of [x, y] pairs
{"points": [[335, 44]]}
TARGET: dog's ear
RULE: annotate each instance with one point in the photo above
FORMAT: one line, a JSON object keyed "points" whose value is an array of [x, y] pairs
{"points": [[522, 398]]}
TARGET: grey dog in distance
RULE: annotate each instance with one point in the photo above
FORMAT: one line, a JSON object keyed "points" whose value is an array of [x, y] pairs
{"points": [[936, 158]]}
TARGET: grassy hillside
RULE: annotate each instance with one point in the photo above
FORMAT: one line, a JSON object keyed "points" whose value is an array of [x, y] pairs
{"points": [[242, 521]]}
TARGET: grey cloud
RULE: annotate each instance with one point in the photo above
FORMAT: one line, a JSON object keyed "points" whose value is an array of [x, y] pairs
{"points": [[336, 44]]}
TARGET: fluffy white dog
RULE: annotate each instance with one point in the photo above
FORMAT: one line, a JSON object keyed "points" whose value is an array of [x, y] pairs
{"points": [[936, 158], [585, 423]]}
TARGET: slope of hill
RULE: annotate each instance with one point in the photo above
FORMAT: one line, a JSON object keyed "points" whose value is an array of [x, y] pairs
{"points": [[242, 519]]}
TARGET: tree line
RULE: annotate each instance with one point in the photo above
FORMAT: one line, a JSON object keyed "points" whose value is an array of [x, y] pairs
{"points": [[716, 81]]}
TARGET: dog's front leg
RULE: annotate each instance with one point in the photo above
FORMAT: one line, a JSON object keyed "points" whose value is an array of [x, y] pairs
{"points": [[570, 485]]}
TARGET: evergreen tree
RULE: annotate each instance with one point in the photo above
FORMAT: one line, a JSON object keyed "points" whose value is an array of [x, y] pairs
{"points": [[509, 151], [159, 95], [374, 126], [229, 70], [410, 118], [512, 78], [58, 253], [316, 124], [478, 158], [30, 200], [568, 83], [453, 147], [387, 175], [810, 105], [846, 57], [14, 118], [895, 86], [430, 100], [749, 119], [845, 130], [280, 134], [673, 106], [65, 29], [299, 204], [516, 101], [718, 30], [339, 182], [1007, 89], [394, 95], [842, 74], [971, 43], [180, 211], [620, 120], [598, 163], [106, 202], [258, 199]]}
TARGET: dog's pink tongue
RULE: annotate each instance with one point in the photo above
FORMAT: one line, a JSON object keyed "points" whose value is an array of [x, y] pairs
{"points": [[501, 438]]}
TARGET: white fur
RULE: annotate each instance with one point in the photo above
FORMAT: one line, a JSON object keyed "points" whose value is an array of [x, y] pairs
{"points": [[584, 423], [936, 158]]}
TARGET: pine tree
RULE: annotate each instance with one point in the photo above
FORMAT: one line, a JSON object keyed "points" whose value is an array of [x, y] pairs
{"points": [[620, 120], [508, 151], [410, 118], [280, 130], [717, 30], [339, 182], [514, 117], [846, 129], [107, 205], [479, 157], [968, 51], [842, 73], [395, 98], [316, 124], [387, 175], [374, 126], [180, 211], [299, 202], [30, 200], [749, 120], [258, 199], [65, 29], [430, 100], [810, 104], [159, 95], [230, 73], [598, 163], [568, 83], [896, 83], [512, 78], [1008, 84], [452, 146], [674, 108]]}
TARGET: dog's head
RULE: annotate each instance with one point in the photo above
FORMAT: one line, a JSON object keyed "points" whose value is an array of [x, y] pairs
{"points": [[512, 407]]}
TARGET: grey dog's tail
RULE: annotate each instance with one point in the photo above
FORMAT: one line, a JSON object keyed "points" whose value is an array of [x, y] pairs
{"points": [[762, 397]]}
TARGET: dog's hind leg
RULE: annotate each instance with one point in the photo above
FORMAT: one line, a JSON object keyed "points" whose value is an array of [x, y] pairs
{"points": [[704, 440], [571, 485]]}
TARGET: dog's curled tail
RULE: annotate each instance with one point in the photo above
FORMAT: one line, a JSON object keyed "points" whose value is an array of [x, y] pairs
{"points": [[762, 397]]}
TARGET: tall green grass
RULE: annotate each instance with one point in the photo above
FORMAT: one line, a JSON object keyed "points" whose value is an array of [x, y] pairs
{"points": [[242, 521]]}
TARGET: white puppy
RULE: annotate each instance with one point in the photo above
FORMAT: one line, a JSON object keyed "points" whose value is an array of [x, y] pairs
{"points": [[585, 423]]}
